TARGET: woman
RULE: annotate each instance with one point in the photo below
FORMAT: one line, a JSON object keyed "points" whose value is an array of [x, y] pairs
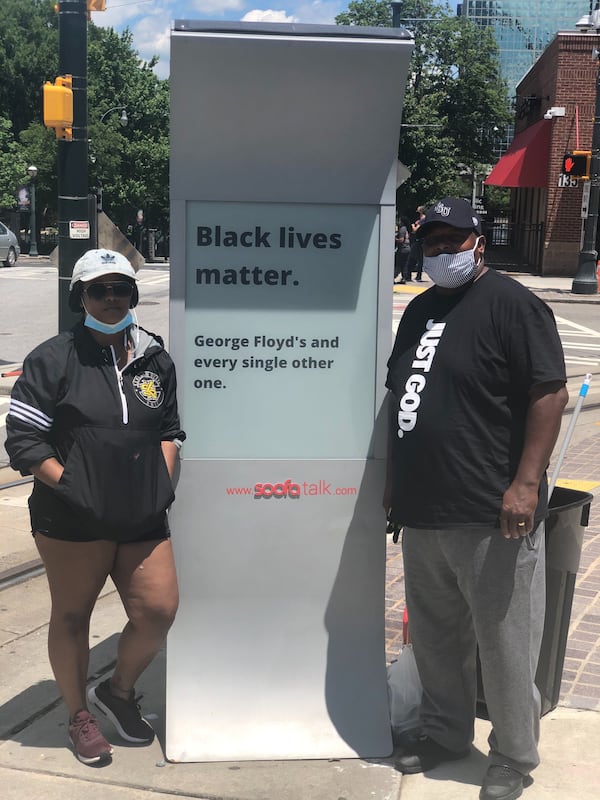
{"points": [[94, 418]]}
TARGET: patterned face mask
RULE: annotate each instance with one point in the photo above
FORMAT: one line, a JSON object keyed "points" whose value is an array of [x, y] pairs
{"points": [[452, 270]]}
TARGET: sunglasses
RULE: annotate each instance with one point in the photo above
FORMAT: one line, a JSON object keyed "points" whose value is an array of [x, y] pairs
{"points": [[98, 291]]}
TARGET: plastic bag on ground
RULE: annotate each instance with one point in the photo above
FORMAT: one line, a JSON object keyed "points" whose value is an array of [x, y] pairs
{"points": [[404, 691]]}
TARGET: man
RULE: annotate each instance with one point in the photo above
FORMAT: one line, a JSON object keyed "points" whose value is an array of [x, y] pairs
{"points": [[415, 257], [478, 381]]}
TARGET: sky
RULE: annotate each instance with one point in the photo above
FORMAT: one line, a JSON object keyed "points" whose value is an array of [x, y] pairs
{"points": [[150, 20]]}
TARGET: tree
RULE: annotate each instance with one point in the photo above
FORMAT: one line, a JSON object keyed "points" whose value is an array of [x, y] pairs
{"points": [[12, 164], [455, 101], [28, 57], [38, 146], [131, 163], [376, 13]]}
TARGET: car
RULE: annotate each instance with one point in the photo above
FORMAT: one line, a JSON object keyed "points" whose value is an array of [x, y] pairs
{"points": [[9, 247]]}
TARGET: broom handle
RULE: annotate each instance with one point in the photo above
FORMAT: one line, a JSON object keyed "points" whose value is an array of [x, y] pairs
{"points": [[567, 440]]}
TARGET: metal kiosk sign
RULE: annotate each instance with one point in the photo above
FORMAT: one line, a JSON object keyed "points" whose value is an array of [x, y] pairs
{"points": [[283, 176]]}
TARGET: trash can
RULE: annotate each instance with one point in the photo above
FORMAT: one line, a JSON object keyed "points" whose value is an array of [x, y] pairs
{"points": [[569, 516], [565, 526]]}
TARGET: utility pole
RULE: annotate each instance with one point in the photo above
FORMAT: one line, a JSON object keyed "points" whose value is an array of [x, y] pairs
{"points": [[585, 280], [73, 213]]}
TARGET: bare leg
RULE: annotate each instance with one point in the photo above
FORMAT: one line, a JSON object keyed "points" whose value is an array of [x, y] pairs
{"points": [[144, 574], [76, 573]]}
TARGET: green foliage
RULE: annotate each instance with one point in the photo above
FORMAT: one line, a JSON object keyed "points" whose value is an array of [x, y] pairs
{"points": [[130, 163], [377, 13], [38, 145], [28, 58], [455, 102], [497, 201], [12, 165]]}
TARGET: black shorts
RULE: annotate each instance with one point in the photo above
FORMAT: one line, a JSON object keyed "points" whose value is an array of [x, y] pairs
{"points": [[55, 519]]}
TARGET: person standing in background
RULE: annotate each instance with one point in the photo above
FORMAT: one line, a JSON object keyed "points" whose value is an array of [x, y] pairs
{"points": [[415, 257], [402, 251]]}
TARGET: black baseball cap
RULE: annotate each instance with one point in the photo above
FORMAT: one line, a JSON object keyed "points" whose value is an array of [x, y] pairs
{"points": [[451, 211]]}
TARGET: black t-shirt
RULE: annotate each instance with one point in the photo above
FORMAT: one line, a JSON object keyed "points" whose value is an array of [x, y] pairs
{"points": [[461, 371]]}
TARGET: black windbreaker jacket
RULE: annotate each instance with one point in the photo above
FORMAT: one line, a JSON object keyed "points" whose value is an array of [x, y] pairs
{"points": [[104, 425]]}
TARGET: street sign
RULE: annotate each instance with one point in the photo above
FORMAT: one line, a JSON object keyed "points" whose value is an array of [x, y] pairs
{"points": [[567, 182], [79, 229], [585, 200]]}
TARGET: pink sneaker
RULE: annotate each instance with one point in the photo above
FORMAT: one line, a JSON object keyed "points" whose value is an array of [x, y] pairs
{"points": [[88, 743]]}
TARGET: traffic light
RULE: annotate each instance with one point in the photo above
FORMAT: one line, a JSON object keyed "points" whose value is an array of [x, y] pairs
{"points": [[577, 164], [58, 106]]}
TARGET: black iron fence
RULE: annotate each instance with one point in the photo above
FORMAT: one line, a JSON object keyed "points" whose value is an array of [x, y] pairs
{"points": [[514, 245]]}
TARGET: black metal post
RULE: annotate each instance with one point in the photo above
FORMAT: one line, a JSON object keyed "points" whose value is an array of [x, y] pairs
{"points": [[72, 155], [396, 11], [585, 281], [33, 250]]}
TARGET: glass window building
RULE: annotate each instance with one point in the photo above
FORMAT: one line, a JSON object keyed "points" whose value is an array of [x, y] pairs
{"points": [[523, 28]]}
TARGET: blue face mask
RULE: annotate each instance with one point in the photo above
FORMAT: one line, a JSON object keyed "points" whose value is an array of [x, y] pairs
{"points": [[105, 327]]}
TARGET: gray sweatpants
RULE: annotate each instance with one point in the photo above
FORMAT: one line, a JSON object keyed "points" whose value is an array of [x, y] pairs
{"points": [[467, 588]]}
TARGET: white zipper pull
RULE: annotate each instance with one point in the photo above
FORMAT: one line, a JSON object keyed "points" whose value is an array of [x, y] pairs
{"points": [[124, 407]]}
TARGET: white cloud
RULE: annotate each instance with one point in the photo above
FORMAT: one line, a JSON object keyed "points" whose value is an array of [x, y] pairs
{"points": [[150, 20], [152, 37], [268, 15], [117, 15], [318, 12]]}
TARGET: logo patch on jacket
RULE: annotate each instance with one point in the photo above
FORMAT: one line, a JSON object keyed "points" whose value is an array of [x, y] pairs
{"points": [[148, 389]]}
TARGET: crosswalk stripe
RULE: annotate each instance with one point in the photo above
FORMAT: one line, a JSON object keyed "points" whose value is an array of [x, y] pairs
{"points": [[584, 362], [154, 281], [568, 325], [581, 346]]}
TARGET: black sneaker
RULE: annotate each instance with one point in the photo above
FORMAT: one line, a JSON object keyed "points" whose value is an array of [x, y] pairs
{"points": [[424, 754], [125, 715], [503, 783]]}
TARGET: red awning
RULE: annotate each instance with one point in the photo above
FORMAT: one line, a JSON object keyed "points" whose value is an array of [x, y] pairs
{"points": [[525, 163]]}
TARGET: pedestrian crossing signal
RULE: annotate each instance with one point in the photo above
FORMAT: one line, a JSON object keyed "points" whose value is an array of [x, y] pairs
{"points": [[577, 164], [58, 106]]}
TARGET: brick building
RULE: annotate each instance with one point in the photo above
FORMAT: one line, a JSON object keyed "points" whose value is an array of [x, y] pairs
{"points": [[546, 206]]}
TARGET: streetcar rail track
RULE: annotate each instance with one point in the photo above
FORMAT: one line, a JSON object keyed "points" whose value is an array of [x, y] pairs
{"points": [[28, 569], [21, 573]]}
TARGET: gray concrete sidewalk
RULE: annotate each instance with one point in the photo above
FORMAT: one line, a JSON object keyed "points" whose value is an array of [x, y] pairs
{"points": [[36, 761]]}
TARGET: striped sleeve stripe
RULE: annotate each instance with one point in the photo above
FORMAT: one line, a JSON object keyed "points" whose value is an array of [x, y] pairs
{"points": [[29, 414]]}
